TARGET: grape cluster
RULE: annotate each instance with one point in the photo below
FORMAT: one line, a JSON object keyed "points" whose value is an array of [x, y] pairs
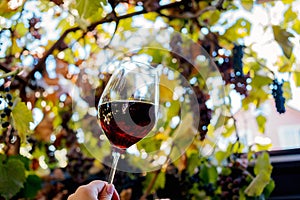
{"points": [[208, 188], [231, 69], [182, 185], [232, 183], [34, 27], [240, 83], [205, 112], [230, 64], [78, 165], [6, 100], [278, 96], [238, 78], [238, 54]]}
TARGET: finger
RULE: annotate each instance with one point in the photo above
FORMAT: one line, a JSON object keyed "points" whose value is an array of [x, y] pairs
{"points": [[107, 193], [88, 192], [97, 187], [115, 195]]}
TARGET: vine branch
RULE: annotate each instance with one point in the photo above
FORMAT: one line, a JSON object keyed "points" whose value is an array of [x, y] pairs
{"points": [[191, 15], [109, 18]]}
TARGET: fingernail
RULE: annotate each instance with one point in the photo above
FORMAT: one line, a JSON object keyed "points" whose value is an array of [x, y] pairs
{"points": [[110, 188]]}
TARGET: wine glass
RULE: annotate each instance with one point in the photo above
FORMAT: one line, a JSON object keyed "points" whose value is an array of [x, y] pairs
{"points": [[128, 107]]}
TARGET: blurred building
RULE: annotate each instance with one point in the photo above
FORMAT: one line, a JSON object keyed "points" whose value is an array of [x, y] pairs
{"points": [[281, 130]]}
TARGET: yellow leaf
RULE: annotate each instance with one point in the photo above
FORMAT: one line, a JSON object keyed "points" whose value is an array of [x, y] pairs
{"points": [[258, 184], [21, 116], [161, 136], [6, 10], [247, 5], [296, 76], [282, 37]]}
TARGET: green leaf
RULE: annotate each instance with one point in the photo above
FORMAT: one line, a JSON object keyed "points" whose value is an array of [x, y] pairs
{"points": [[237, 147], [228, 131], [261, 122], [282, 37], [296, 25], [21, 117], [284, 64], [220, 156], [12, 177], [258, 184], [239, 30], [289, 15], [287, 91], [148, 144], [160, 180], [21, 30], [69, 56], [208, 174], [263, 164], [64, 24], [226, 171], [32, 185], [23, 159], [125, 24], [242, 195], [197, 194], [173, 110], [269, 188], [177, 24], [259, 81], [157, 56], [296, 76], [88, 8], [211, 17], [15, 48], [262, 170], [193, 162], [150, 16], [247, 5], [263, 147]]}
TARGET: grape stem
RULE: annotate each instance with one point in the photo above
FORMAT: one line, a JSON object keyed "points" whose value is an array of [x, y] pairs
{"points": [[116, 156]]}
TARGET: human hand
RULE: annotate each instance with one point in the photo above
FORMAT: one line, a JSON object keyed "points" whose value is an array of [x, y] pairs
{"points": [[95, 190]]}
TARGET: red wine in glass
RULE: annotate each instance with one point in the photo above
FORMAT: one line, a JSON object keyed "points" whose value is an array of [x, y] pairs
{"points": [[126, 122], [128, 107]]}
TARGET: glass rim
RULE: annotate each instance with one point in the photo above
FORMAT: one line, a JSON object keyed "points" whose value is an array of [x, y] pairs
{"points": [[149, 69]]}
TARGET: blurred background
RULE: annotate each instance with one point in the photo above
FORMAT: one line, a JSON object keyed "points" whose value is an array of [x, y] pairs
{"points": [[229, 122]]}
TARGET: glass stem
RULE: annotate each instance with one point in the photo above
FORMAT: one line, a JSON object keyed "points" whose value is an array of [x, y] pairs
{"points": [[116, 156]]}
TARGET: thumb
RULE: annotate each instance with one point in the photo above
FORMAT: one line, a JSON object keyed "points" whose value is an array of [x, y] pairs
{"points": [[107, 192]]}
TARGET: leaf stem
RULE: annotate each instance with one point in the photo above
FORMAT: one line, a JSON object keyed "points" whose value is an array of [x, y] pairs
{"points": [[11, 73]]}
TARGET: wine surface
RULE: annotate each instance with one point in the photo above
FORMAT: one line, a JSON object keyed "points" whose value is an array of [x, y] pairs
{"points": [[126, 122]]}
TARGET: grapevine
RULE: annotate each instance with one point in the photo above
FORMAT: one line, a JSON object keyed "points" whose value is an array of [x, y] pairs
{"points": [[78, 165], [9, 135], [231, 183], [278, 96], [6, 103], [237, 60]]}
